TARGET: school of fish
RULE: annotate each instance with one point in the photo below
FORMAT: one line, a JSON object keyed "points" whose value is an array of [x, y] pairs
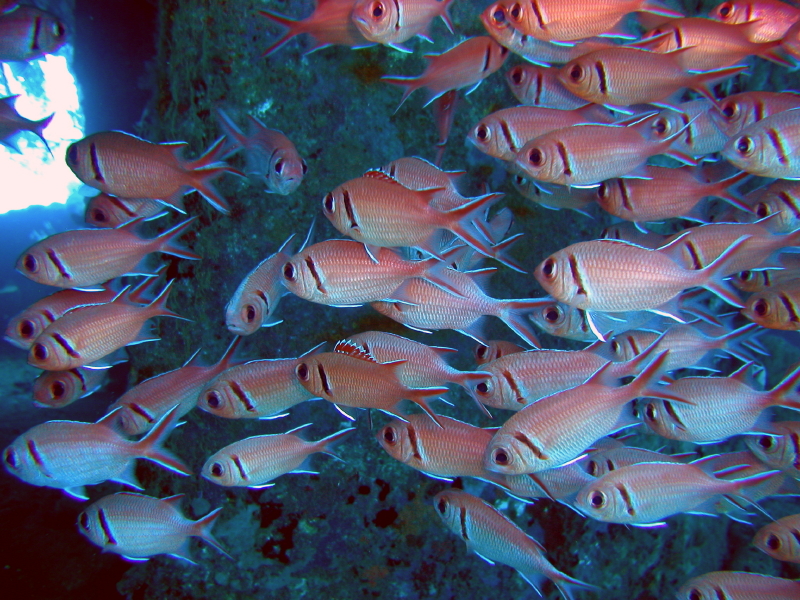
{"points": [[601, 94]]}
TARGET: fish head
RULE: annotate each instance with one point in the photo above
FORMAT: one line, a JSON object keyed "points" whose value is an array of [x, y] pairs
{"points": [[79, 160], [602, 500], [749, 152], [93, 524], [101, 212], [654, 414], [730, 12], [22, 459], [733, 114], [554, 274], [48, 354], [221, 468], [493, 391], [246, 312], [132, 422], [374, 19], [26, 327], [707, 587], [540, 159], [394, 438], [766, 309], [302, 277], [521, 16], [36, 264], [776, 450], [52, 34], [451, 508], [220, 399], [582, 79], [519, 78], [487, 137], [777, 541], [555, 318], [285, 172], [507, 454], [57, 388], [312, 375], [338, 207], [665, 124]]}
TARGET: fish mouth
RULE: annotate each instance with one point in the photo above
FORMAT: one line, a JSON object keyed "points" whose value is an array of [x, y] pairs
{"points": [[16, 343]]}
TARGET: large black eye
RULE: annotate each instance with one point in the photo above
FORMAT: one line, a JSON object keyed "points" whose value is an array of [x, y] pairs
{"points": [[288, 272], [72, 154], [762, 210], [746, 276], [516, 11], [773, 542], [602, 191], [389, 435], [761, 307], [441, 506], [650, 412], [767, 442], [26, 329], [482, 132], [725, 10], [729, 109], [302, 371], [84, 521], [40, 351], [576, 72], [535, 157], [501, 457], [30, 263], [279, 166], [305, 167], [549, 268], [744, 145], [377, 10], [58, 389], [695, 594], [597, 499], [217, 470], [499, 15], [517, 75], [213, 400], [660, 126], [329, 204], [482, 352], [58, 30], [10, 458], [250, 313], [615, 347], [99, 216], [482, 388]]}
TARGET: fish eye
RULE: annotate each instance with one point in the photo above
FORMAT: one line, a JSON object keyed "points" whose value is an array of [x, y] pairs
{"points": [[305, 167], [552, 314], [288, 272], [99, 215], [535, 157], [761, 307], [10, 458], [58, 389], [377, 10], [482, 388], [250, 313], [615, 347], [597, 499], [516, 11], [26, 329], [302, 371], [58, 30], [602, 191], [773, 542], [744, 145], [576, 73], [329, 203], [30, 263], [501, 457], [729, 109], [592, 468], [389, 435], [441, 506], [651, 412], [767, 442], [695, 594], [725, 9], [517, 75], [482, 132], [549, 268], [746, 275], [40, 351], [660, 126], [83, 520], [762, 210], [499, 15], [482, 352], [217, 470], [279, 166], [213, 400], [72, 154]]}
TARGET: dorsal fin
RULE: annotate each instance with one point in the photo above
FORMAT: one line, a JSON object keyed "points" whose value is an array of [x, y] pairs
{"points": [[353, 349]]}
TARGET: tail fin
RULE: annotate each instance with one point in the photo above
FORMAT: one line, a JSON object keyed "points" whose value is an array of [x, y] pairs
{"points": [[702, 81], [410, 84], [294, 26], [419, 396], [715, 272], [209, 167], [151, 448], [513, 312], [785, 394], [202, 529], [327, 444], [166, 241], [158, 307], [38, 128], [721, 190], [231, 131], [227, 360], [460, 221]]}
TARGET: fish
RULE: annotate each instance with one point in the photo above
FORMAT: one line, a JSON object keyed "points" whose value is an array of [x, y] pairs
{"points": [[109, 211], [721, 407], [57, 389], [774, 18], [12, 123], [144, 404], [666, 193], [555, 197], [779, 197], [494, 349], [762, 280], [539, 86], [563, 320], [392, 23], [124, 165], [356, 380], [418, 174], [444, 113], [86, 257], [587, 154], [329, 25], [423, 306], [253, 304], [453, 450], [346, 273], [465, 65], [737, 111], [559, 484], [69, 455], [701, 131], [738, 586], [555, 21], [502, 133], [561, 427], [645, 494], [270, 156], [606, 460], [255, 461], [86, 334], [780, 448], [495, 538], [138, 526], [621, 76], [777, 307], [780, 539], [769, 147], [616, 276], [28, 33]]}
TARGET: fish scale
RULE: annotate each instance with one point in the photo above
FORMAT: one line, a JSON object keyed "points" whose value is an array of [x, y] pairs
{"points": [[736, 586]]}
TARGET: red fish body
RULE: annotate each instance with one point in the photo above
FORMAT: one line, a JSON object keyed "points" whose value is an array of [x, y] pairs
{"points": [[774, 18], [769, 147], [87, 257], [138, 526], [110, 212], [540, 86], [781, 539], [738, 111], [28, 33], [57, 389], [777, 307], [11, 122], [392, 23], [738, 586], [124, 165]]}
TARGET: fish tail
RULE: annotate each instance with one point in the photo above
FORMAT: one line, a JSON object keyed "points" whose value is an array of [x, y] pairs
{"points": [[513, 313], [419, 396], [227, 359], [410, 84], [207, 168], [656, 7], [327, 444], [150, 446], [166, 241], [567, 584], [770, 51], [715, 272], [293, 25], [785, 394], [202, 529], [158, 307], [231, 131], [445, 14], [39, 127], [730, 342], [720, 190], [703, 80]]}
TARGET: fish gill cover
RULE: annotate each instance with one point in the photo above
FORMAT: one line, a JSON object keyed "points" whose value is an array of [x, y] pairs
{"points": [[364, 527]]}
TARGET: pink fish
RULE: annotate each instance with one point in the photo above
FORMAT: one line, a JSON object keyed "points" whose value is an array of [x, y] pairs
{"points": [[738, 586], [774, 18], [781, 539], [540, 86], [110, 212], [138, 527], [12, 123], [28, 33], [494, 349], [57, 389], [394, 22]]}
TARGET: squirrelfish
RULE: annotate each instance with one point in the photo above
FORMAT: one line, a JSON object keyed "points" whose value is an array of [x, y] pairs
{"points": [[418, 174], [270, 156], [138, 526], [142, 405], [540, 86], [774, 18], [124, 165], [701, 131], [393, 22], [463, 66], [109, 211], [57, 389], [11, 122], [87, 257], [255, 461], [738, 586], [780, 198], [493, 537], [86, 334], [563, 320], [70, 455], [777, 307], [780, 449], [494, 349], [780, 539], [610, 459], [28, 33], [737, 111], [769, 147]]}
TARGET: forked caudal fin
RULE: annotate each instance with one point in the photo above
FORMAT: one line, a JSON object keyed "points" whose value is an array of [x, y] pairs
{"points": [[151, 445]]}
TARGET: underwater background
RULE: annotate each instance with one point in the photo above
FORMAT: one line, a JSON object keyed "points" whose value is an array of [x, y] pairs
{"points": [[365, 526]]}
